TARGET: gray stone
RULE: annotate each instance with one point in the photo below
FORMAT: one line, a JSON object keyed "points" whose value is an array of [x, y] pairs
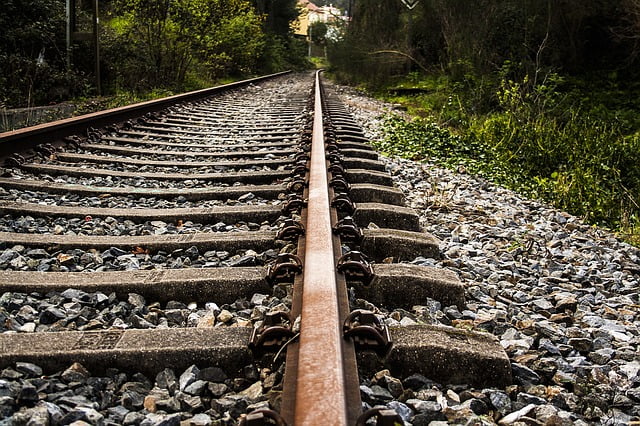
{"points": [[36, 254], [246, 197], [549, 330], [75, 373], [402, 410], [136, 300], [381, 394], [117, 413], [545, 412], [581, 344], [200, 419], [132, 400], [526, 399], [141, 388], [234, 405], [476, 405], [258, 299], [7, 256], [153, 419], [167, 379], [394, 386], [170, 404], [421, 406], [548, 346], [10, 374], [28, 395], [90, 415], [253, 392], [430, 419], [602, 356], [51, 315], [524, 375], [29, 369], [39, 415], [196, 387], [192, 252], [416, 381], [176, 316], [7, 406], [517, 415], [500, 401], [212, 374], [190, 403]]}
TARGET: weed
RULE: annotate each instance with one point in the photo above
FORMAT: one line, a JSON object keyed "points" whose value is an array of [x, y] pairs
{"points": [[540, 140]]}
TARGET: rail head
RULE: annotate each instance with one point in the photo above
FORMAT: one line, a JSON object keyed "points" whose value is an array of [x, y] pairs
{"points": [[326, 388]]}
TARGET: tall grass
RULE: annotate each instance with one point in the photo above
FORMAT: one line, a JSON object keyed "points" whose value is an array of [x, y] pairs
{"points": [[535, 141]]}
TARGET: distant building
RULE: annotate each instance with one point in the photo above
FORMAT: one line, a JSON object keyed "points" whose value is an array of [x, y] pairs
{"points": [[310, 13]]}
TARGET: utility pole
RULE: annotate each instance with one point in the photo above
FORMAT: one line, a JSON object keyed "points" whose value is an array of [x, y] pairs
{"points": [[71, 29], [96, 46], [73, 35], [310, 39]]}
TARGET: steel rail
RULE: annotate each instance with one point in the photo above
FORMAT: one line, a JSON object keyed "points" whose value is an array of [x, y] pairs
{"points": [[29, 137], [323, 387]]}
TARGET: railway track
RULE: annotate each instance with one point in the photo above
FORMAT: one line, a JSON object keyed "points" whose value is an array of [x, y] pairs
{"points": [[221, 257]]}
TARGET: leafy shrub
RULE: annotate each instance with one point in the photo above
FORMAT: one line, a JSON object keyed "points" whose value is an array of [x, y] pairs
{"points": [[577, 160]]}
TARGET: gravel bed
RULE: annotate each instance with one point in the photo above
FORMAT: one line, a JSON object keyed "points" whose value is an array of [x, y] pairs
{"points": [[115, 201], [560, 296], [172, 169], [169, 157], [269, 152], [229, 143], [197, 396], [118, 182], [20, 258], [74, 309], [115, 227], [204, 148]]}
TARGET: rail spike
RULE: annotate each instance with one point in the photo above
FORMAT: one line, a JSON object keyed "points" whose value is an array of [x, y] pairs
{"points": [[274, 333], [356, 267], [284, 269], [367, 332]]}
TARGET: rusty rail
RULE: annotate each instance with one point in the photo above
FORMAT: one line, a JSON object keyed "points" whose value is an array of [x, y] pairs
{"points": [[325, 383]]}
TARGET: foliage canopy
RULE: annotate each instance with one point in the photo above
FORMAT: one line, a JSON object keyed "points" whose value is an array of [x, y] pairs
{"points": [[145, 44]]}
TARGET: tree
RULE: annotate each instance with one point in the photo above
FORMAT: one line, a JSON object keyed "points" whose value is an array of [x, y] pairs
{"points": [[318, 33], [279, 15], [32, 56], [167, 39], [476, 38], [228, 37], [376, 28], [627, 31], [282, 50]]}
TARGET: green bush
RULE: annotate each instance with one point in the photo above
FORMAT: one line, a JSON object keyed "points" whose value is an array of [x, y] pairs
{"points": [[579, 160]]}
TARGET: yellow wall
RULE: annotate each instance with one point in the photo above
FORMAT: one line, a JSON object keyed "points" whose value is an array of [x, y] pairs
{"points": [[302, 24]]}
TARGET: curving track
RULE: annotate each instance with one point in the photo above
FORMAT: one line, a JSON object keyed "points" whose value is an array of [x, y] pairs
{"points": [[256, 215]]}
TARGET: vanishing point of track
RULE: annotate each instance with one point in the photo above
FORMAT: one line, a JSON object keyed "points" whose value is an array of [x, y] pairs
{"points": [[262, 193]]}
